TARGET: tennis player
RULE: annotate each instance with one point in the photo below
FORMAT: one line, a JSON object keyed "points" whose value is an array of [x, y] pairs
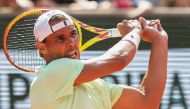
{"points": [[66, 82]]}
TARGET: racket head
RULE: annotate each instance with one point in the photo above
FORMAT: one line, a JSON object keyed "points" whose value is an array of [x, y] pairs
{"points": [[22, 53]]}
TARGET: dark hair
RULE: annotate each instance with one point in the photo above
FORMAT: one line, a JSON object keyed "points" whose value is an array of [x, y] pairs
{"points": [[56, 19]]}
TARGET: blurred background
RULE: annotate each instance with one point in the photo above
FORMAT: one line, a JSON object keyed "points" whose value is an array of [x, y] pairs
{"points": [[174, 16]]}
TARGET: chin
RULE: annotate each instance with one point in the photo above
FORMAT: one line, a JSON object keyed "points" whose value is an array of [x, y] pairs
{"points": [[75, 57]]}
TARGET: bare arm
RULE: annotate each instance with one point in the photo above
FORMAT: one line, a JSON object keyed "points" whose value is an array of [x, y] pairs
{"points": [[149, 95], [154, 81], [115, 59]]}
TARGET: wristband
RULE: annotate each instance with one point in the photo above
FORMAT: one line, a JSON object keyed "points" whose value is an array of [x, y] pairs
{"points": [[134, 38]]}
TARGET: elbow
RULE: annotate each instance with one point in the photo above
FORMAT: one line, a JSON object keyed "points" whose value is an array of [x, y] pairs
{"points": [[153, 106], [153, 103], [149, 105]]}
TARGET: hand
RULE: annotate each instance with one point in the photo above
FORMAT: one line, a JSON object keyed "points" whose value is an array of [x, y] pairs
{"points": [[127, 25], [152, 30]]}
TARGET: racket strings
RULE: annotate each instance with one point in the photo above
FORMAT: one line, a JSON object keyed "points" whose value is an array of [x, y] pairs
{"points": [[21, 44]]}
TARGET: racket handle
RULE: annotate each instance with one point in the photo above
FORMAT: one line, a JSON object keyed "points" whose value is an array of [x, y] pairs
{"points": [[114, 32]]}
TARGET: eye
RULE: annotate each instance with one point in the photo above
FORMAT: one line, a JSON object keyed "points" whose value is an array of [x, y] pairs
{"points": [[74, 34], [60, 39]]}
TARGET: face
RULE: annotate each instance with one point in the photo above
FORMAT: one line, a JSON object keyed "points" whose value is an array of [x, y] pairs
{"points": [[63, 43]]}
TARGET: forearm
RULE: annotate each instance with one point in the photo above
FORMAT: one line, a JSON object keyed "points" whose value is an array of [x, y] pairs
{"points": [[127, 47], [154, 81], [120, 54]]}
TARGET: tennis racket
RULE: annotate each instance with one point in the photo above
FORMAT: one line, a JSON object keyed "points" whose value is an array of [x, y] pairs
{"points": [[19, 41]]}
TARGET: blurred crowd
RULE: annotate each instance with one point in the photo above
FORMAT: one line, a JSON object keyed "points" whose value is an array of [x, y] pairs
{"points": [[92, 4]]}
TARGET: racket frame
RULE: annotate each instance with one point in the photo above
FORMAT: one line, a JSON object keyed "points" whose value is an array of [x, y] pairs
{"points": [[102, 34]]}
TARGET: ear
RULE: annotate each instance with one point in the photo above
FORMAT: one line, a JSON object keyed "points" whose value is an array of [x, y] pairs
{"points": [[41, 47]]}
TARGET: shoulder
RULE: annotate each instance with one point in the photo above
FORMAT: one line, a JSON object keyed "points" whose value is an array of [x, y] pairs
{"points": [[64, 66], [64, 62]]}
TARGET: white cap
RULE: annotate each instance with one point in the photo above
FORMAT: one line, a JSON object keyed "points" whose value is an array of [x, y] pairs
{"points": [[42, 28]]}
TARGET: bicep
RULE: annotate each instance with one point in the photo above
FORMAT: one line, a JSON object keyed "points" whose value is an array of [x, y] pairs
{"points": [[131, 98]]}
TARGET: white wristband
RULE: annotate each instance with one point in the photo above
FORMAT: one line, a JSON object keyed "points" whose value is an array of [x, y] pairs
{"points": [[134, 38]]}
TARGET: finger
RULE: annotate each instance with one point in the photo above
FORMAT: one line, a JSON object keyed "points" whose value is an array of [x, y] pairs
{"points": [[119, 25], [125, 22], [143, 22], [152, 23], [159, 26], [157, 21], [121, 29]]}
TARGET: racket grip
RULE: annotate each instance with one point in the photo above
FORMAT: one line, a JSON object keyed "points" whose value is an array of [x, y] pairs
{"points": [[114, 32]]}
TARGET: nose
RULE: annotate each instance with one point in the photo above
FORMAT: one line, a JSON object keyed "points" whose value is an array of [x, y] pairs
{"points": [[71, 42]]}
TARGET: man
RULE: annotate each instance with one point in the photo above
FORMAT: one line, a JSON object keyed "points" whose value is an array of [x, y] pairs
{"points": [[69, 83]]}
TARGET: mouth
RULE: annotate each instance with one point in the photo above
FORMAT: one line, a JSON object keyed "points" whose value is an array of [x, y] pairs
{"points": [[72, 55]]}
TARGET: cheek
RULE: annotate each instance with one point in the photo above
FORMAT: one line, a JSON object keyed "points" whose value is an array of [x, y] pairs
{"points": [[77, 45], [56, 49], [78, 49], [77, 42]]}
